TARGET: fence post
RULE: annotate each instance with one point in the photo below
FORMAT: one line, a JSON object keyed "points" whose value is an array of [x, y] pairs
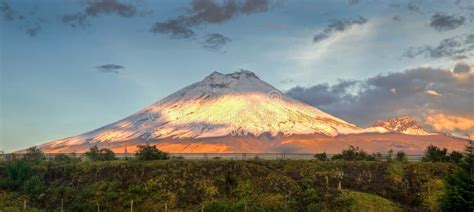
{"points": [[98, 207], [166, 206], [62, 205], [202, 208], [24, 205], [131, 206]]}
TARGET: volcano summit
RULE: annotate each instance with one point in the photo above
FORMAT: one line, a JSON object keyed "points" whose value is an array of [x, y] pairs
{"points": [[238, 112]]}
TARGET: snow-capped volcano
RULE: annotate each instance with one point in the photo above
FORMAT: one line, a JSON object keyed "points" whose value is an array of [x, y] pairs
{"points": [[402, 124], [238, 112], [234, 104]]}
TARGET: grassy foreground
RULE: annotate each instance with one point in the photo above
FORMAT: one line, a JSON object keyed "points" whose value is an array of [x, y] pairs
{"points": [[219, 185]]}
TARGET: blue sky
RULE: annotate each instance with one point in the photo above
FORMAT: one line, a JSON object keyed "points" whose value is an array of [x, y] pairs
{"points": [[51, 86]]}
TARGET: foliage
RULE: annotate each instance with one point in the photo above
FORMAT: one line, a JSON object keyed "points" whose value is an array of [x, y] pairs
{"points": [[321, 156], [368, 202], [433, 191], [34, 154], [96, 154], [147, 152], [455, 157], [225, 185], [435, 154], [401, 157], [20, 176], [459, 193], [355, 154]]}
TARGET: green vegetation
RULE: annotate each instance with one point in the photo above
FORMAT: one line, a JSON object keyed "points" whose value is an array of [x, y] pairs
{"points": [[96, 154], [351, 181], [357, 154], [147, 152], [220, 185], [369, 202], [459, 192], [435, 154]]}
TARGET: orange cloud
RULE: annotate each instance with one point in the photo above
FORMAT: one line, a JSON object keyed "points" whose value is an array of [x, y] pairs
{"points": [[444, 122]]}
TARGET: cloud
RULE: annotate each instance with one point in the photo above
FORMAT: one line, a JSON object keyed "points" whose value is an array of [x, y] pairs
{"points": [[7, 12], [215, 41], [461, 68], [110, 68], [442, 22], [338, 26], [207, 12], [447, 122], [96, 8], [450, 47], [432, 92], [29, 23], [394, 94]]}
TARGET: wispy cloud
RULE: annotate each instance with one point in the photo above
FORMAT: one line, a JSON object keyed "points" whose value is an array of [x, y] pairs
{"points": [[338, 26], [110, 68], [215, 41], [456, 46]]}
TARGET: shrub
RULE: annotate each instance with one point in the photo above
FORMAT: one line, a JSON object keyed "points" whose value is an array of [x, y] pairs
{"points": [[147, 152], [16, 174], [97, 154], [401, 157], [459, 192], [34, 154], [435, 154], [321, 156], [455, 157], [353, 153]]}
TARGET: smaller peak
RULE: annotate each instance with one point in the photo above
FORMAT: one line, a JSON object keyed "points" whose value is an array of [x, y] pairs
{"points": [[214, 75], [242, 73]]}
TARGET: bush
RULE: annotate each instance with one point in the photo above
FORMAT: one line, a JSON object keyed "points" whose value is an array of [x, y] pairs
{"points": [[455, 157], [435, 154], [401, 157], [354, 153], [321, 156], [34, 154], [147, 152], [459, 192], [103, 154]]}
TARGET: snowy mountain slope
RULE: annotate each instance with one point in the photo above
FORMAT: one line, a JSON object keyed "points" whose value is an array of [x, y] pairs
{"points": [[403, 124], [236, 104]]}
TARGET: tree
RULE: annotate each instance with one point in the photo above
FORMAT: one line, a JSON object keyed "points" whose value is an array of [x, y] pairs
{"points": [[103, 154], [321, 156], [459, 192], [401, 157], [353, 153], [435, 154], [147, 152], [34, 154], [455, 157]]}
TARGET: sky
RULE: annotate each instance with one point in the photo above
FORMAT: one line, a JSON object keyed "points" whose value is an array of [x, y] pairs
{"points": [[68, 67]]}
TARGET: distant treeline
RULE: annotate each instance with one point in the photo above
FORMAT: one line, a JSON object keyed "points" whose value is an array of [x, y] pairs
{"points": [[352, 180]]}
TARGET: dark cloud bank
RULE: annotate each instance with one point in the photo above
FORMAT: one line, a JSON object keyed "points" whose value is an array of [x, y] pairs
{"points": [[96, 8], [413, 92], [338, 26], [207, 12], [442, 22]]}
